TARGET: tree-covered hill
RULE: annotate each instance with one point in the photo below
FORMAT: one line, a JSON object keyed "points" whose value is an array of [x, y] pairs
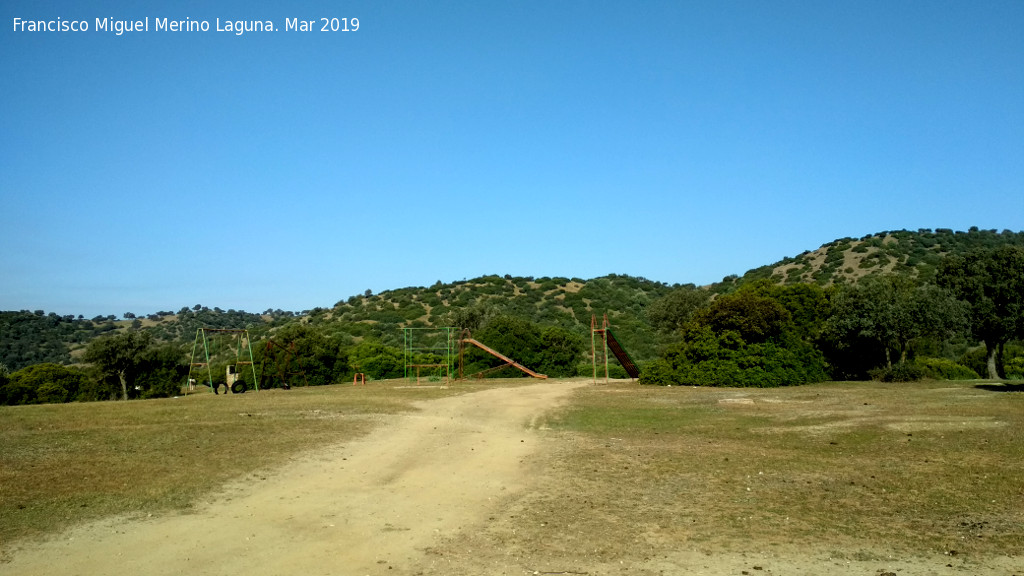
{"points": [[28, 338], [915, 254], [568, 303]]}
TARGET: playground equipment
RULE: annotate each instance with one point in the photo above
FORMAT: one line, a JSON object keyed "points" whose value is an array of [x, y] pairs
{"points": [[607, 340], [233, 381], [276, 366], [432, 349], [464, 339], [234, 376], [437, 345]]}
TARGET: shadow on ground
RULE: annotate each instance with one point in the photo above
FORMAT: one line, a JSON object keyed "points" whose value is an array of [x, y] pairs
{"points": [[1003, 387]]}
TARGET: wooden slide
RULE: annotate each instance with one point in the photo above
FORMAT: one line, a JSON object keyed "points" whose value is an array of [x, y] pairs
{"points": [[508, 361]]}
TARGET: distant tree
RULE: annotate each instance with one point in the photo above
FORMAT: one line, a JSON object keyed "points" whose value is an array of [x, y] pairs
{"points": [[46, 383], [514, 337], [470, 317], [808, 304], [560, 351], [707, 358], [672, 311], [991, 282], [755, 318], [163, 369], [13, 393], [376, 360], [119, 357], [894, 312], [320, 356], [129, 316]]}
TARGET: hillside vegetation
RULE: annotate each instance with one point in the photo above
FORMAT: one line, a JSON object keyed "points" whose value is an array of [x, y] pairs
{"points": [[803, 318], [901, 252]]}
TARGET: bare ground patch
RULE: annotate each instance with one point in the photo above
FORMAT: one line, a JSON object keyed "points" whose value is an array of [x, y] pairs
{"points": [[837, 478], [826, 479]]}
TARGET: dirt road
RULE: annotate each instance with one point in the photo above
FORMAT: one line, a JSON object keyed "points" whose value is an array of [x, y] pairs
{"points": [[371, 507]]}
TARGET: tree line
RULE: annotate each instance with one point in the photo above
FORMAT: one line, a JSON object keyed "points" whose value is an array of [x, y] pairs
{"points": [[891, 327], [962, 321]]}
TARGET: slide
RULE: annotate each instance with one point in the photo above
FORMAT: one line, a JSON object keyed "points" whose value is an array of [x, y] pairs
{"points": [[621, 354], [501, 356]]}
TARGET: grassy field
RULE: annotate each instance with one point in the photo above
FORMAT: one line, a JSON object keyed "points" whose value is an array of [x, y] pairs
{"points": [[935, 467], [923, 468], [63, 464]]}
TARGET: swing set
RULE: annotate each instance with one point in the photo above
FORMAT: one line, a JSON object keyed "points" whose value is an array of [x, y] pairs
{"points": [[211, 336]]}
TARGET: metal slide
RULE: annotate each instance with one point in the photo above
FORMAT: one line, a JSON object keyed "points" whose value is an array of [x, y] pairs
{"points": [[501, 356], [622, 355]]}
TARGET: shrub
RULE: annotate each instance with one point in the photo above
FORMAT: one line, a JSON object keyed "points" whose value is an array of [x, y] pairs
{"points": [[902, 372], [943, 369], [43, 383], [1015, 368], [725, 359], [658, 373]]}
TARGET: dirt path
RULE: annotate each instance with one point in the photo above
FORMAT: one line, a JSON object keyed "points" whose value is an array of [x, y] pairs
{"points": [[371, 507]]}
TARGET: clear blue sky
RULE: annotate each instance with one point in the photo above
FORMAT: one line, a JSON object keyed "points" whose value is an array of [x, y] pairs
{"points": [[679, 141]]}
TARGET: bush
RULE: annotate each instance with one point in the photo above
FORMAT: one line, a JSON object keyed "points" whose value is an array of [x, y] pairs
{"points": [[44, 384], [976, 359], [725, 359], [943, 369], [902, 372], [1015, 368], [658, 373]]}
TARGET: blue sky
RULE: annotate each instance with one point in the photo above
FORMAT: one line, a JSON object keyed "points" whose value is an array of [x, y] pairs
{"points": [[679, 141]]}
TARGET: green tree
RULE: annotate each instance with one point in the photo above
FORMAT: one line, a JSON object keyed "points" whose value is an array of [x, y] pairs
{"points": [[320, 356], [672, 311], [707, 358], [808, 305], [755, 318], [894, 312], [560, 352], [514, 337], [740, 339], [163, 370], [49, 383], [470, 317], [376, 360], [121, 357], [991, 282]]}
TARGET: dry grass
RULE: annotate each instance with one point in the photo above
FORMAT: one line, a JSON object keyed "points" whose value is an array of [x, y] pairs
{"points": [[860, 469], [855, 469], [63, 464]]}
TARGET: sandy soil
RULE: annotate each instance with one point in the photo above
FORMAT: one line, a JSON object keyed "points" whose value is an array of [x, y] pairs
{"points": [[370, 507], [441, 491]]}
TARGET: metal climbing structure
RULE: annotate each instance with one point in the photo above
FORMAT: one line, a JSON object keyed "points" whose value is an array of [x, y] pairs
{"points": [[429, 351]]}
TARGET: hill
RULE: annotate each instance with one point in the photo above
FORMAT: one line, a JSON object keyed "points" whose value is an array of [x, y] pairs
{"points": [[33, 337], [903, 252]]}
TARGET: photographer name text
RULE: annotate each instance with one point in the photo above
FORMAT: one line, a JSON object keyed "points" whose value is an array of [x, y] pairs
{"points": [[236, 27]]}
